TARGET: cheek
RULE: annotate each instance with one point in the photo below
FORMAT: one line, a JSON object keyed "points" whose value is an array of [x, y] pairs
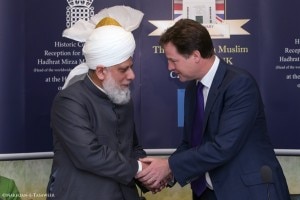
{"points": [[177, 67], [121, 80]]}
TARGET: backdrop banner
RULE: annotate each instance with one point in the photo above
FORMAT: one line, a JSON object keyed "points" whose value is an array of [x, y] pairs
{"points": [[260, 36]]}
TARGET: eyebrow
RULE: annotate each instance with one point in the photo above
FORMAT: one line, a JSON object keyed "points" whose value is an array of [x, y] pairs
{"points": [[125, 67], [172, 59]]}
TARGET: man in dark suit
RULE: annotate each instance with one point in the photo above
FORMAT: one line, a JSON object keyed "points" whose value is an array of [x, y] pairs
{"points": [[96, 150], [233, 158]]}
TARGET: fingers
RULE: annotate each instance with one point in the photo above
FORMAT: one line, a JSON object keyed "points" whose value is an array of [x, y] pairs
{"points": [[146, 159], [155, 175], [157, 188]]}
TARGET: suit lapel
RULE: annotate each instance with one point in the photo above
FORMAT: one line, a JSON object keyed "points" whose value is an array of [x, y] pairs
{"points": [[214, 90]]}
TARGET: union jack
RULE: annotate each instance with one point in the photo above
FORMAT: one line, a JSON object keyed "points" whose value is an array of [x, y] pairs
{"points": [[220, 10]]}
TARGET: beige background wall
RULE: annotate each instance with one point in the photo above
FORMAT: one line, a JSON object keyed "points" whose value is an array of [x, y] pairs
{"points": [[31, 177]]}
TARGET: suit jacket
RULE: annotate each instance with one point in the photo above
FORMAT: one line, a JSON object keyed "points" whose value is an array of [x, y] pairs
{"points": [[8, 189], [95, 146], [235, 145]]}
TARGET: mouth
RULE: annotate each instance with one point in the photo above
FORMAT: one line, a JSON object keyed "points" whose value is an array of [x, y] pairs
{"points": [[177, 74], [125, 86]]}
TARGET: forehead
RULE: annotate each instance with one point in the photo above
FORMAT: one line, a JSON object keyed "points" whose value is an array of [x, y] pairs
{"points": [[171, 51], [170, 47]]}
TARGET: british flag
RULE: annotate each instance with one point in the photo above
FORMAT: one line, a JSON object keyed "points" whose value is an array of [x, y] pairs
{"points": [[220, 10]]}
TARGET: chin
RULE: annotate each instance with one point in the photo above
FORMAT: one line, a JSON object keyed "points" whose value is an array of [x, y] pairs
{"points": [[124, 87], [182, 79]]}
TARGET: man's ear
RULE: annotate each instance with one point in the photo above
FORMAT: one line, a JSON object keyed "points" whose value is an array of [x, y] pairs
{"points": [[196, 56], [100, 72]]}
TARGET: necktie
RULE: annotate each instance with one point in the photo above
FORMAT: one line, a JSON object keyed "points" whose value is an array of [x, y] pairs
{"points": [[199, 185]]}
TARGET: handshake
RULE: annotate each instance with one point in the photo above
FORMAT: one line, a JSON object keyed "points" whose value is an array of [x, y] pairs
{"points": [[156, 174]]}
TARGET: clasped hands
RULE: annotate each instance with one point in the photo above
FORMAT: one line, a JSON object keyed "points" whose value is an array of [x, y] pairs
{"points": [[156, 173]]}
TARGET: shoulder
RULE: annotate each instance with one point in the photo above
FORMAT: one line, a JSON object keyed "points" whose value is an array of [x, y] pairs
{"points": [[73, 97], [232, 73], [233, 69], [231, 79], [6, 183], [73, 91], [5, 180]]}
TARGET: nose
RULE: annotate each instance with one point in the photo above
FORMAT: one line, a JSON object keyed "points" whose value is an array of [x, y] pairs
{"points": [[170, 66], [130, 74]]}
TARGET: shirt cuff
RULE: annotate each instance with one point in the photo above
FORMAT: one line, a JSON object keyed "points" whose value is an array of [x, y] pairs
{"points": [[171, 182], [140, 166]]}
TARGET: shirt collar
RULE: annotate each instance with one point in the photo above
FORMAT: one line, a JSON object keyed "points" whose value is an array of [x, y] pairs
{"points": [[209, 76], [96, 85]]}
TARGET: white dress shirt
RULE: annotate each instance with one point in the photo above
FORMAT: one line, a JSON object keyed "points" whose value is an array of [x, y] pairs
{"points": [[207, 81]]}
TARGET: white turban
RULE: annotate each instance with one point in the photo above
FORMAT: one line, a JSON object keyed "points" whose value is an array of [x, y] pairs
{"points": [[106, 45], [126, 16]]}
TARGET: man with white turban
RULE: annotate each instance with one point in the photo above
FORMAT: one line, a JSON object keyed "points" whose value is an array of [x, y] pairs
{"points": [[96, 150]]}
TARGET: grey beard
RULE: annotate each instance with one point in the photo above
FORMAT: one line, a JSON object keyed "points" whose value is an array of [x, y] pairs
{"points": [[115, 93]]}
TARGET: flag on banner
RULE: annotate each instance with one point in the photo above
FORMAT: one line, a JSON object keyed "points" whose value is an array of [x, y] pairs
{"points": [[220, 10], [177, 9]]}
